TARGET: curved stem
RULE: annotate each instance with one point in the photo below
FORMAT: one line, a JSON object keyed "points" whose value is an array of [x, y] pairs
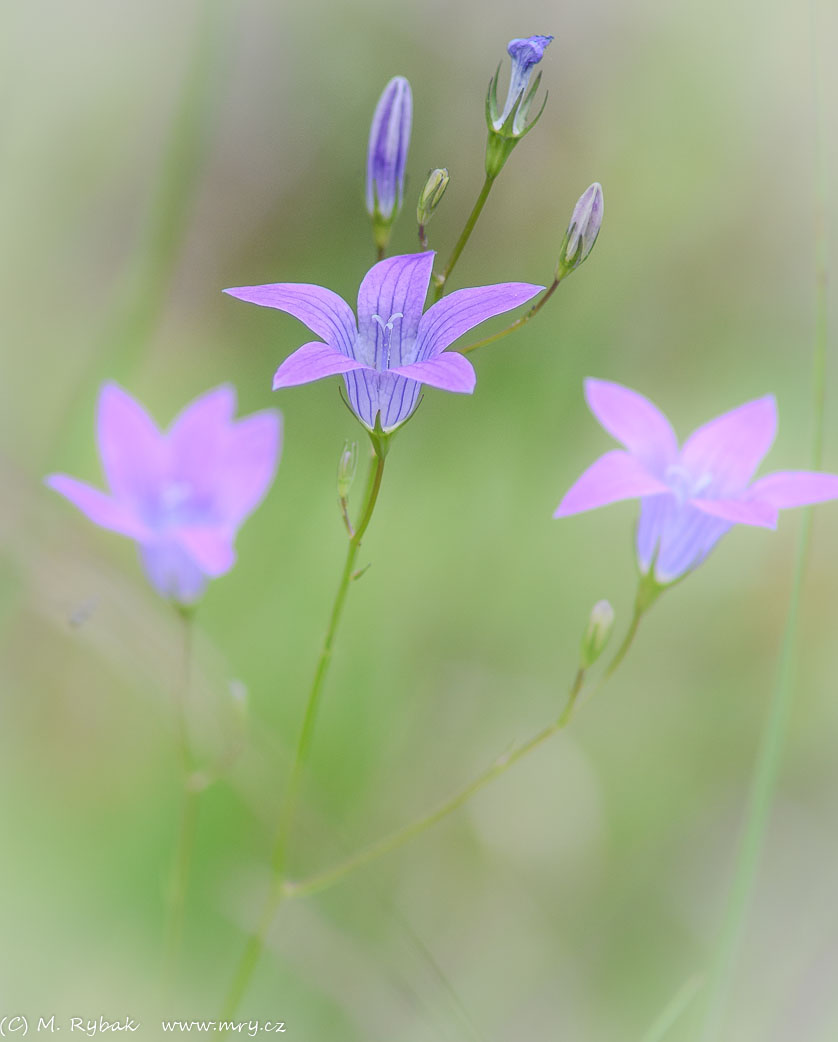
{"points": [[256, 943], [323, 880], [769, 757], [179, 880], [464, 237], [539, 304]]}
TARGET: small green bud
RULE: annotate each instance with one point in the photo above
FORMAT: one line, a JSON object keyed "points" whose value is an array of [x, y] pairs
{"points": [[596, 635], [431, 195], [582, 232], [347, 466]]}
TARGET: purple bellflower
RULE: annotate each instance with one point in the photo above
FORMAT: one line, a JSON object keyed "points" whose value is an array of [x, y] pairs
{"points": [[394, 348], [690, 496], [387, 151], [183, 493]]}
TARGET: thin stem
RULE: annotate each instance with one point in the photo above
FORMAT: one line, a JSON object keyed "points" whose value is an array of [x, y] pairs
{"points": [[464, 237], [539, 304], [769, 757], [323, 880], [674, 1010], [179, 879], [256, 943]]}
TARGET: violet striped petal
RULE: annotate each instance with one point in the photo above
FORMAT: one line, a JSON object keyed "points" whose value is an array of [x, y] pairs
{"points": [[198, 434], [387, 149], [464, 309], [325, 313], [313, 361], [390, 302], [172, 571], [100, 508], [634, 421], [247, 470], [739, 511], [134, 455], [616, 475], [730, 448], [794, 488], [677, 536], [397, 398], [362, 391], [448, 372], [210, 548]]}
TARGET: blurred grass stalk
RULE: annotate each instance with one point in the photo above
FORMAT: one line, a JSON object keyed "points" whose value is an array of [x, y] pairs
{"points": [[142, 295], [769, 757]]}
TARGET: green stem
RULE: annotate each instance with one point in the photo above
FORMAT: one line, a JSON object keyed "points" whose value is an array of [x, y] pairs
{"points": [[769, 757], [674, 1010], [648, 591], [256, 943], [323, 880], [179, 880], [539, 304], [464, 237]]}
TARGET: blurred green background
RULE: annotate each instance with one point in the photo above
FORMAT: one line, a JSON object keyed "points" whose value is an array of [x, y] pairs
{"points": [[155, 153]]}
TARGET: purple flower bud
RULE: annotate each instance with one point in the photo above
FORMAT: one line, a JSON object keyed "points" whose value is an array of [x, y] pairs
{"points": [[524, 54], [582, 232], [387, 152]]}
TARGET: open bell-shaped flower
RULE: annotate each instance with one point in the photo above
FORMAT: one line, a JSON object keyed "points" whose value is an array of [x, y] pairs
{"points": [[393, 347]]}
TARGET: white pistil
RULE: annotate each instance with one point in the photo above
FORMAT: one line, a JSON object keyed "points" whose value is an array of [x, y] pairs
{"points": [[387, 334]]}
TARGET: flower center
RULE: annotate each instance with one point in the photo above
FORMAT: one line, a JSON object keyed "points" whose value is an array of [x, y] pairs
{"points": [[386, 335], [683, 484]]}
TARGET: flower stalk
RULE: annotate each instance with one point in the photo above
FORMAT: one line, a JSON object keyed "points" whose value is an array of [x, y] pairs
{"points": [[179, 879], [288, 809]]}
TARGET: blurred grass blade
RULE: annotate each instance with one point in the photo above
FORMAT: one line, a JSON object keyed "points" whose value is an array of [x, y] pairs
{"points": [[769, 757], [673, 1012]]}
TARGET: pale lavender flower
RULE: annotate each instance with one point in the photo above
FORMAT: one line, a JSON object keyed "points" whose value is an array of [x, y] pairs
{"points": [[525, 53], [181, 494], [690, 496], [387, 150], [394, 348]]}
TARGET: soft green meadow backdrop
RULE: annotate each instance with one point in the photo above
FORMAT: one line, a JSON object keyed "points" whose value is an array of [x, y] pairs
{"points": [[154, 153]]}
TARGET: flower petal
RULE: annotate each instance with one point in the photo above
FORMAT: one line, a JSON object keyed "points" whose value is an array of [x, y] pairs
{"points": [[634, 421], [449, 372], [464, 309], [210, 548], [739, 511], [249, 465], [324, 312], [100, 508], [198, 434], [313, 361], [794, 488], [731, 447], [172, 571], [677, 536], [134, 453], [616, 475], [390, 303]]}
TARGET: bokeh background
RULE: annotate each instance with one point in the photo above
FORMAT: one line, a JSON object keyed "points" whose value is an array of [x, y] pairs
{"points": [[153, 154]]}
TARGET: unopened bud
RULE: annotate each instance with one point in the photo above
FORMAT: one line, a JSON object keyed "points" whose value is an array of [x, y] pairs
{"points": [[347, 466], [596, 635], [582, 232], [387, 156], [431, 195]]}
